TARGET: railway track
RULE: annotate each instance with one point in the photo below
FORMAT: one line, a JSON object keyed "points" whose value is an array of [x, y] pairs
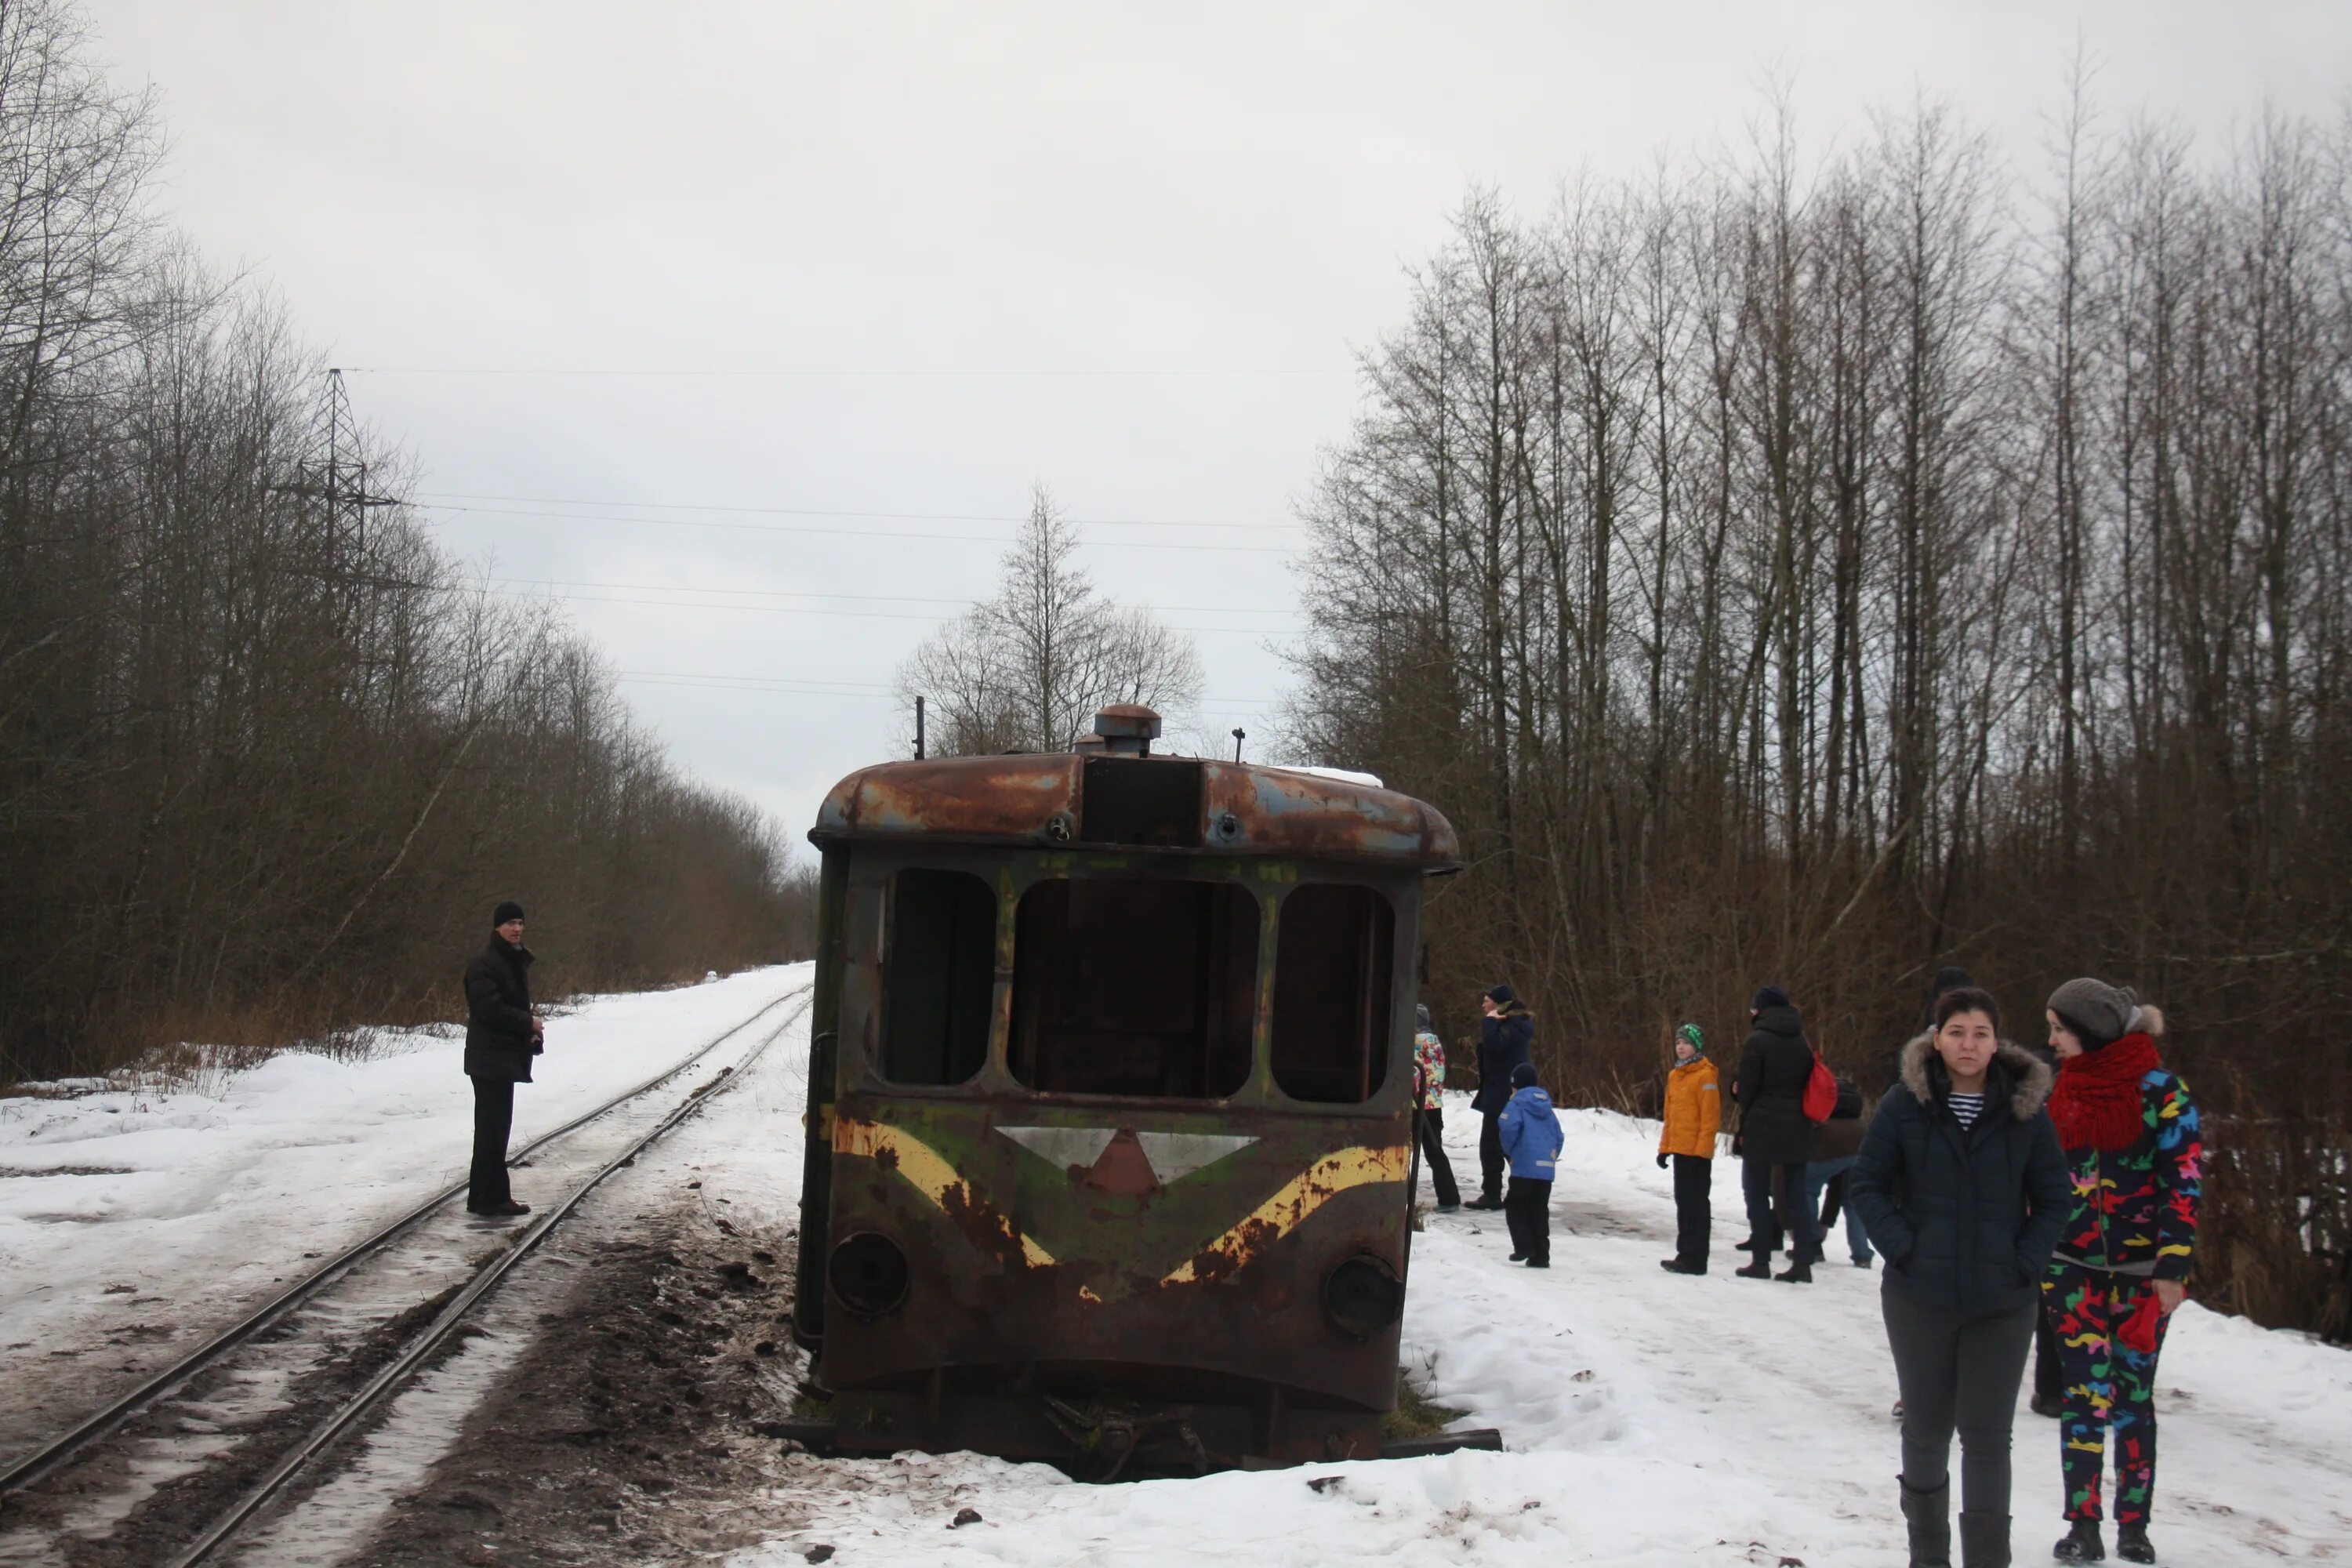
{"points": [[385, 1304]]}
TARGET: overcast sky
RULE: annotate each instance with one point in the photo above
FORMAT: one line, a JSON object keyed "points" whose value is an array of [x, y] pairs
{"points": [[952, 249]]}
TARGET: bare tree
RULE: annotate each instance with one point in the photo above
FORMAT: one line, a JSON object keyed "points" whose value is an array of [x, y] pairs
{"points": [[1028, 668]]}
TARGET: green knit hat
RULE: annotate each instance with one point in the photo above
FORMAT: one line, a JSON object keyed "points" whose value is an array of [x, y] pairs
{"points": [[1690, 1032]]}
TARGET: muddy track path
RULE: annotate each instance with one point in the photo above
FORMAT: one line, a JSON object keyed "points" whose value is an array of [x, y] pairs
{"points": [[164, 1481]]}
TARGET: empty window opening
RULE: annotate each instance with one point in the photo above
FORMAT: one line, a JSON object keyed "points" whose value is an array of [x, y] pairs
{"points": [[1137, 988], [937, 973], [1141, 800], [1334, 956]]}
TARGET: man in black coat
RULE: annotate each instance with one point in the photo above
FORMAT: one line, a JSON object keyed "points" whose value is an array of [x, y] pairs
{"points": [[1776, 1140], [1505, 1040], [502, 1034]]}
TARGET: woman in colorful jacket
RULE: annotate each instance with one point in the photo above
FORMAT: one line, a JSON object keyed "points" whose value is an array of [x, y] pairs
{"points": [[1428, 1092], [1694, 1117], [2129, 1130]]}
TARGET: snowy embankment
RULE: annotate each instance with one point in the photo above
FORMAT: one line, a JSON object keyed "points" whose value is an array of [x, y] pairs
{"points": [[1650, 1419], [132, 1222]]}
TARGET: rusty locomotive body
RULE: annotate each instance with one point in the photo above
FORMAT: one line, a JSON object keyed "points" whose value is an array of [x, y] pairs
{"points": [[1110, 1106]]}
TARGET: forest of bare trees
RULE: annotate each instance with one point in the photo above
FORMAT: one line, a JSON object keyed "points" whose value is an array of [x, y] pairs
{"points": [[266, 757], [1816, 569]]}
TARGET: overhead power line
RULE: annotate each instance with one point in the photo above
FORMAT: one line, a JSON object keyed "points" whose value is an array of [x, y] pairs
{"points": [[848, 615], [858, 598], [825, 686], [831, 373], [836, 532], [831, 511]]}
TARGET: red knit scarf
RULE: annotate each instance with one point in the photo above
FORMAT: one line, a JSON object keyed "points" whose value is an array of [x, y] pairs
{"points": [[2098, 1104]]}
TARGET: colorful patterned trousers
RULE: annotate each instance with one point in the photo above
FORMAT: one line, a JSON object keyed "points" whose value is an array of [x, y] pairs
{"points": [[2108, 1385]]}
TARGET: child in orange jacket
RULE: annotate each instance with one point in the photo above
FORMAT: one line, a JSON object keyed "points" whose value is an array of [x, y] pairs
{"points": [[1693, 1116]]}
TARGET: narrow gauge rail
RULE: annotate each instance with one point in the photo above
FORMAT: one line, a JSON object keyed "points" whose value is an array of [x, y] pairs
{"points": [[60, 1454]]}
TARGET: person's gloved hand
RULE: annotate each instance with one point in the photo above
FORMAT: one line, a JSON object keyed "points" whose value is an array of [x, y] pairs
{"points": [[1662, 1159], [2138, 1331]]}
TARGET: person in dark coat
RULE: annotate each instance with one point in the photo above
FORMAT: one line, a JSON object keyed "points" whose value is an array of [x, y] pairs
{"points": [[1506, 1036], [1776, 1140], [1962, 1185], [1835, 1143], [502, 1034]]}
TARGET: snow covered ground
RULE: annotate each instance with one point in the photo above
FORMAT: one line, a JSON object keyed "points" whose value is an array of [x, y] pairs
{"points": [[1650, 1419], [133, 1221]]}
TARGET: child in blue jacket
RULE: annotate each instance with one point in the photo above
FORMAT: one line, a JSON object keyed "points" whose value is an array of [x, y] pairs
{"points": [[1532, 1142]]}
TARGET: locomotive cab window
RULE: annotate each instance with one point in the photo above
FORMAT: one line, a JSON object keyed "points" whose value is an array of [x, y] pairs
{"points": [[1334, 959], [1134, 987], [936, 975]]}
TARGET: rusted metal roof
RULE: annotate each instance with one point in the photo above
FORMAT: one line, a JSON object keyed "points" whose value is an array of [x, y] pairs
{"points": [[1039, 800]]}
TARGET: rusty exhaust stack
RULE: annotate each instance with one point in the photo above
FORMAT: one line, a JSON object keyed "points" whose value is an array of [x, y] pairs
{"points": [[1128, 728]]}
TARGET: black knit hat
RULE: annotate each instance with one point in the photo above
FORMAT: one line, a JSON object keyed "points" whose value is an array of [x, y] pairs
{"points": [[1770, 996], [509, 911], [1524, 1076], [1501, 996]]}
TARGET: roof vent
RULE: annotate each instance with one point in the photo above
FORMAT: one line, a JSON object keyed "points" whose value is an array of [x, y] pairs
{"points": [[1128, 728]]}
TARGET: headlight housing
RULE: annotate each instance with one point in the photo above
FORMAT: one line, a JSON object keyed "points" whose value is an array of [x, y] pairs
{"points": [[1362, 1296], [868, 1274]]}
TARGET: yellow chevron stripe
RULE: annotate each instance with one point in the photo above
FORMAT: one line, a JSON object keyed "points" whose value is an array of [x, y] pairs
{"points": [[920, 1164], [1301, 1196]]}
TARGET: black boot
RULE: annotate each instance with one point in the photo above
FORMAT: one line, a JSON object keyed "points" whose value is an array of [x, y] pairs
{"points": [[1928, 1515], [1760, 1269], [2132, 1545], [2082, 1543], [1984, 1539], [1799, 1272]]}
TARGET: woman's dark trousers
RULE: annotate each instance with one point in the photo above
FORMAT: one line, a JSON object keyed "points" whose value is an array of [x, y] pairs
{"points": [[1959, 1373], [1694, 1209], [1432, 1155], [2048, 1375], [486, 1184], [1766, 1218], [1528, 1214], [1491, 1163]]}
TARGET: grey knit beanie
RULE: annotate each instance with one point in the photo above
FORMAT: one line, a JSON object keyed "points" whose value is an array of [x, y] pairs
{"points": [[1420, 1015], [2100, 1013]]}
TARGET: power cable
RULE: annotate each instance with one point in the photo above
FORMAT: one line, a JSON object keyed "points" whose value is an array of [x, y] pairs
{"points": [[876, 598], [760, 682], [848, 615], [824, 511], [828, 372], [838, 532]]}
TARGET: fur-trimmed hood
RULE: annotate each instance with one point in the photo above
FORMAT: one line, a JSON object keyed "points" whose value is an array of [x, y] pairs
{"points": [[2029, 1076]]}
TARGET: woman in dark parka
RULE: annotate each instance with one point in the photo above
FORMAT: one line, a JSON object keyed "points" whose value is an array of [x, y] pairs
{"points": [[1962, 1185], [1776, 1139]]}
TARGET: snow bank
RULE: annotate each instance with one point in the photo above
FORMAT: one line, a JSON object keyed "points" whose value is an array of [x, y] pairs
{"points": [[1651, 1419], [132, 1221]]}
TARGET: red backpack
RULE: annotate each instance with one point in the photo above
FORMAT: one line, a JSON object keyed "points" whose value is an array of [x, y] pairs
{"points": [[1821, 1091]]}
